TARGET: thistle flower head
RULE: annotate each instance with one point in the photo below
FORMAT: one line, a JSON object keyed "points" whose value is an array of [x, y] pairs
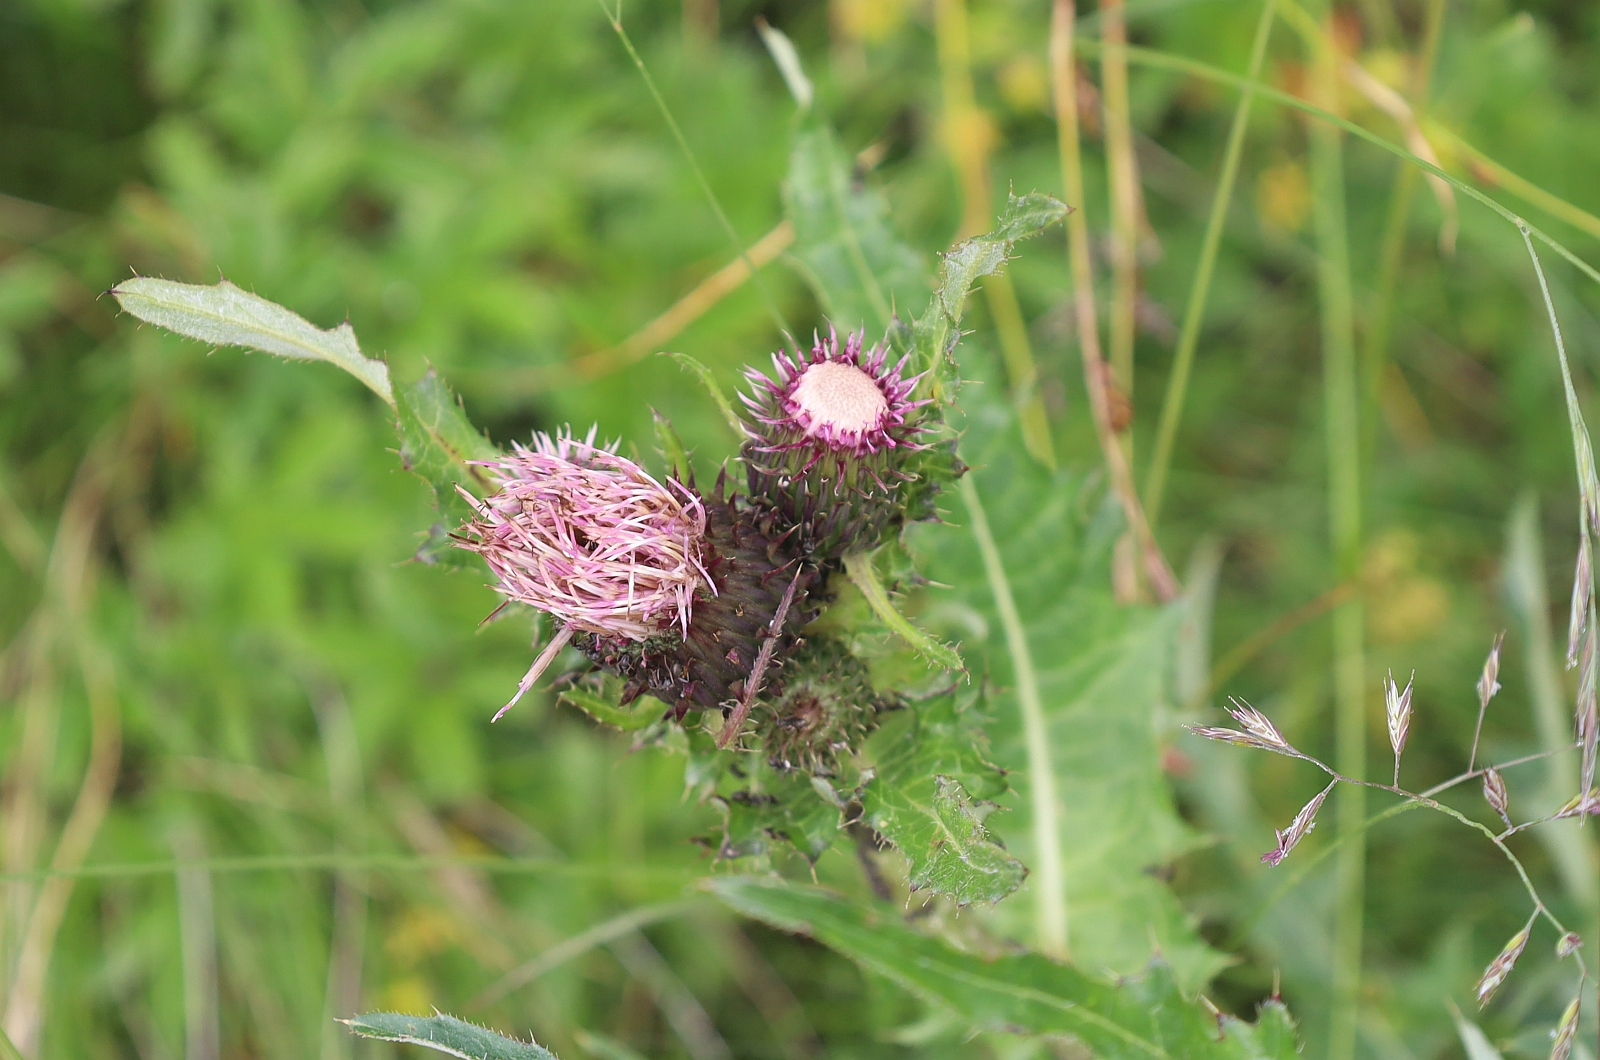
{"points": [[591, 539], [836, 399]]}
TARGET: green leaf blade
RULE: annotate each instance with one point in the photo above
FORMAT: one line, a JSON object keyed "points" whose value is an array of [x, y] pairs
{"points": [[224, 315], [441, 446], [929, 796], [445, 1034], [1146, 1018]]}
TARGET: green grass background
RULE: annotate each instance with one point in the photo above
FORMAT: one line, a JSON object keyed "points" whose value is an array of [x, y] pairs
{"points": [[205, 551]]}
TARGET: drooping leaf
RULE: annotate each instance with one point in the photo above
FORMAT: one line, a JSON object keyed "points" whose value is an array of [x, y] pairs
{"points": [[1102, 671], [849, 254], [1142, 1018], [930, 795], [439, 444], [446, 1034], [227, 316], [936, 331]]}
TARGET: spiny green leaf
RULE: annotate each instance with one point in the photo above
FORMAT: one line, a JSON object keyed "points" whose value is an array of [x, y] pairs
{"points": [[929, 797], [438, 443], [1102, 675], [1143, 1018], [671, 448], [645, 709], [858, 565], [843, 242], [446, 1034], [935, 334], [227, 316]]}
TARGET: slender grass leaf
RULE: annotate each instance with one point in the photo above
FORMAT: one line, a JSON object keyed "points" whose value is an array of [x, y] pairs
{"points": [[446, 1034], [709, 381], [858, 566], [672, 449], [1143, 1018], [603, 1048], [930, 795], [227, 316], [787, 60]]}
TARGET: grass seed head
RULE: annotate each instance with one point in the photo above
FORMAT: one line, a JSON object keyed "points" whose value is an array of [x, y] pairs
{"points": [[1398, 707], [1566, 1031], [1568, 944], [1255, 730], [1494, 793], [1303, 823], [1501, 966]]}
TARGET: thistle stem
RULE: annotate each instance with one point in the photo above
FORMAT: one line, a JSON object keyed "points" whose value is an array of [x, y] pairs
{"points": [[1051, 897]]}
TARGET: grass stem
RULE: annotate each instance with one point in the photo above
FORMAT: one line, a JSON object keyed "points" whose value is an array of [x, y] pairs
{"points": [[1122, 175], [968, 137], [1343, 430], [1065, 88], [1050, 895], [1194, 312], [614, 19]]}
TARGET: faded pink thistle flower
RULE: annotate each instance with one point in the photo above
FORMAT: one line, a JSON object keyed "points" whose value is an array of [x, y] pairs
{"points": [[591, 539], [846, 399], [1303, 823], [1256, 732]]}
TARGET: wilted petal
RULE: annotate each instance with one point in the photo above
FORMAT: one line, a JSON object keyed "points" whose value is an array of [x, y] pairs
{"points": [[1501, 966], [1303, 822]]}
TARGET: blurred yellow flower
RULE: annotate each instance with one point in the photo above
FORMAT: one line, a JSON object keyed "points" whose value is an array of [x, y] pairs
{"points": [[1024, 83], [1283, 196], [868, 21]]}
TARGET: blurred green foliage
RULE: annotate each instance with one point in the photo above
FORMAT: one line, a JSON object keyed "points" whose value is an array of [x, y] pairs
{"points": [[206, 610]]}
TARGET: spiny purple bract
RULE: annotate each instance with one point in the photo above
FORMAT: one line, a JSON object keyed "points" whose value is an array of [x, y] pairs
{"points": [[834, 399], [591, 539]]}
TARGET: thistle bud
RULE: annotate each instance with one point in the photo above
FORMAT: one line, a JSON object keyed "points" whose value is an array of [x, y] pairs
{"points": [[823, 715], [834, 443], [748, 566]]}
